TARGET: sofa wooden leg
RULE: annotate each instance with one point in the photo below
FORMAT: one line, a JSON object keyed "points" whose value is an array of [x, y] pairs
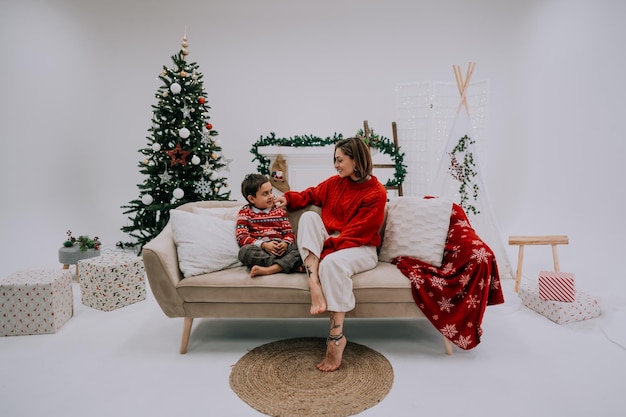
{"points": [[186, 333], [448, 344]]}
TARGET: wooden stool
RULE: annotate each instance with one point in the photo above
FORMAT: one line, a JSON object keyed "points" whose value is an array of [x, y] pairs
{"points": [[536, 240]]}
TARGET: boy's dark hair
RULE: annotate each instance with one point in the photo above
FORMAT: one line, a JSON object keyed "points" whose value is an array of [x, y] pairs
{"points": [[359, 151], [251, 184]]}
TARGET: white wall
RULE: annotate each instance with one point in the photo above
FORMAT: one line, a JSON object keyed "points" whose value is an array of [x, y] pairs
{"points": [[80, 77]]}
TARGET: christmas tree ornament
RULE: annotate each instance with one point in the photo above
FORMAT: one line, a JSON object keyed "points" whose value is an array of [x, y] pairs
{"points": [[178, 155], [175, 88], [156, 147], [184, 52], [183, 74], [195, 160], [165, 177], [213, 155], [178, 193], [209, 126], [213, 176], [147, 199], [186, 111], [201, 100], [184, 133], [164, 94], [218, 143]]}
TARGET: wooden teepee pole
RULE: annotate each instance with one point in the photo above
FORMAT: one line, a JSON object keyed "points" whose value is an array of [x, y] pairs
{"points": [[463, 84]]}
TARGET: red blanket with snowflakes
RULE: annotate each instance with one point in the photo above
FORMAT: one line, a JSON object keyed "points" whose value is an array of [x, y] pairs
{"points": [[454, 297]]}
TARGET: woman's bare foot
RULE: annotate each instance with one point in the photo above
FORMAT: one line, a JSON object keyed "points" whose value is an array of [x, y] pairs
{"points": [[258, 270], [334, 354]]}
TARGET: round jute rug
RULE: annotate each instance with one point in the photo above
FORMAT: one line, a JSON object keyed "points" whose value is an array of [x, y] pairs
{"points": [[280, 379]]}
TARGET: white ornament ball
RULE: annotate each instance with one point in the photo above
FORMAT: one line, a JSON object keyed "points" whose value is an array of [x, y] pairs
{"points": [[184, 133], [147, 199], [195, 160], [218, 143], [156, 147], [213, 176], [178, 193], [175, 88]]}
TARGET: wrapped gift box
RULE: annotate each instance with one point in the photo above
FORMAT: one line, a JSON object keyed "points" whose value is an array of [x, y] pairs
{"points": [[35, 302], [557, 286], [583, 307], [112, 280]]}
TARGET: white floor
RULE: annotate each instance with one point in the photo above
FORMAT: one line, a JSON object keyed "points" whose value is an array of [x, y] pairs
{"points": [[126, 363]]}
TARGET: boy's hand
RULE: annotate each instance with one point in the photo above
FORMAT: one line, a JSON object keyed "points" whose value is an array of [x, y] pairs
{"points": [[275, 248]]}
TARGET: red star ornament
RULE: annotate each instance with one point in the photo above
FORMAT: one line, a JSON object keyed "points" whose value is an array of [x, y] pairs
{"points": [[178, 155]]}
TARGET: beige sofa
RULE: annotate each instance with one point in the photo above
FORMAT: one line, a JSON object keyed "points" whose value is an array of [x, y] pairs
{"points": [[380, 293]]}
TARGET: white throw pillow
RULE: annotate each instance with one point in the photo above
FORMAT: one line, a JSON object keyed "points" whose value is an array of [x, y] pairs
{"points": [[416, 227], [226, 213], [204, 243]]}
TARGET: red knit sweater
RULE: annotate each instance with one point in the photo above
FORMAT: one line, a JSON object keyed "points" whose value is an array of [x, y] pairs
{"points": [[355, 210], [273, 225]]}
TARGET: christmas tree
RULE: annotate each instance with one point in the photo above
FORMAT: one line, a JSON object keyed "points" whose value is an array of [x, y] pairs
{"points": [[183, 155]]}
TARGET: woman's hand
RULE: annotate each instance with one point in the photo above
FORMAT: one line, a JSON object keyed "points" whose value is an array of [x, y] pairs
{"points": [[280, 201]]}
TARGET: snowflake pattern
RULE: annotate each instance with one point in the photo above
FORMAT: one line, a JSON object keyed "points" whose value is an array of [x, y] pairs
{"points": [[472, 301], [203, 187], [445, 304], [417, 280], [464, 341], [464, 224], [465, 279], [438, 282], [206, 136], [481, 255], [447, 268], [449, 331]]}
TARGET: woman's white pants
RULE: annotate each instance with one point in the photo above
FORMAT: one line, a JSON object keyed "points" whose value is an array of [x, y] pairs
{"points": [[336, 269]]}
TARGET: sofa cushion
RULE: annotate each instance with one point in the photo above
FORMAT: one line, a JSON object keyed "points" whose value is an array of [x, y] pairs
{"points": [[203, 243], [383, 284], [416, 227]]}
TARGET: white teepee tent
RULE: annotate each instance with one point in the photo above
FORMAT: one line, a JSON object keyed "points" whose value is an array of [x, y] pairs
{"points": [[459, 177]]}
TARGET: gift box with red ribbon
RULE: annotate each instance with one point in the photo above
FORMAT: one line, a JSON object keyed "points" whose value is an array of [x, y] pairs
{"points": [[557, 286]]}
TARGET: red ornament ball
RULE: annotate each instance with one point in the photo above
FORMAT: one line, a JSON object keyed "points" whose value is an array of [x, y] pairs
{"points": [[201, 100], [209, 126]]}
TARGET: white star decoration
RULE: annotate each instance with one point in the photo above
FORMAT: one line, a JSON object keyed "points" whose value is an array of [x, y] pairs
{"points": [[165, 177], [206, 168], [186, 111]]}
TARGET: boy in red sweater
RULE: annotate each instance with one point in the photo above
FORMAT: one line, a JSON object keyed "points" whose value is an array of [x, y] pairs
{"points": [[264, 234]]}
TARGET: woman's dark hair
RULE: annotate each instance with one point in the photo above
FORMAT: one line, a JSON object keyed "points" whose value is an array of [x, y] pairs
{"points": [[358, 151], [251, 184]]}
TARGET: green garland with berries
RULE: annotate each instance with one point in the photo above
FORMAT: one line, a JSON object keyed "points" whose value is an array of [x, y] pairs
{"points": [[375, 141], [464, 173]]}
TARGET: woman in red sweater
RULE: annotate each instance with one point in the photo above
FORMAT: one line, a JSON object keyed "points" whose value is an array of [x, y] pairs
{"points": [[343, 240]]}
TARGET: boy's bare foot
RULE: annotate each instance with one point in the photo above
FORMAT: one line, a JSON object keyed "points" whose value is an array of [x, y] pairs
{"points": [[258, 270], [318, 301], [334, 354]]}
